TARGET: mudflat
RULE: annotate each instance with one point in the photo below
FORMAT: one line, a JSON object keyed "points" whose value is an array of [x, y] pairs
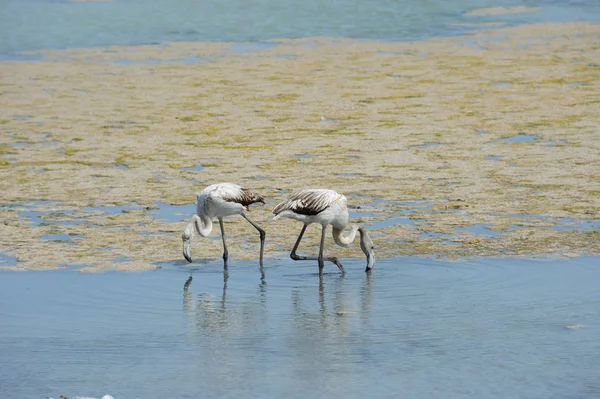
{"points": [[478, 145]]}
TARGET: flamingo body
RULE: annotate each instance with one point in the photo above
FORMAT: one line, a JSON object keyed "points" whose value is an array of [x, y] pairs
{"points": [[225, 199], [325, 207], [322, 206], [218, 201]]}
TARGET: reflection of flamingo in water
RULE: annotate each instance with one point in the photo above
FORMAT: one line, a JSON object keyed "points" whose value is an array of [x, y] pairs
{"points": [[213, 314], [220, 200], [208, 312], [325, 207]]}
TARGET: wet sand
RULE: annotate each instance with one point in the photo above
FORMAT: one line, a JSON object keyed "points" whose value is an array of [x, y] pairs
{"points": [[487, 144]]}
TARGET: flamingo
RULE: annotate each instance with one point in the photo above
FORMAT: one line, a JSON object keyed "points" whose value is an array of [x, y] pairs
{"points": [[220, 200], [325, 207]]}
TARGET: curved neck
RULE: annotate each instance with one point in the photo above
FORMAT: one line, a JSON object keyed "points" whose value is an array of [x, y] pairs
{"points": [[344, 239], [202, 224]]}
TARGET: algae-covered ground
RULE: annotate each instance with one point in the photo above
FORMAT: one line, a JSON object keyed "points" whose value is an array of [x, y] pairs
{"points": [[479, 145]]}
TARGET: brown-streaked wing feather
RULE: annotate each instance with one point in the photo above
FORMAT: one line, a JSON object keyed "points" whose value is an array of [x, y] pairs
{"points": [[308, 202], [243, 196]]}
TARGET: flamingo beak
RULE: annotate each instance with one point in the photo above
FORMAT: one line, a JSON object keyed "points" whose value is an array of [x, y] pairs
{"points": [[187, 252]]}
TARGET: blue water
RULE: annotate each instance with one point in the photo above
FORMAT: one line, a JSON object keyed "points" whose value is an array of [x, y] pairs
{"points": [[40, 24], [414, 328]]}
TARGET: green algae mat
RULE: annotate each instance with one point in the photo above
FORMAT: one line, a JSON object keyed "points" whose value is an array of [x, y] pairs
{"points": [[479, 145]]}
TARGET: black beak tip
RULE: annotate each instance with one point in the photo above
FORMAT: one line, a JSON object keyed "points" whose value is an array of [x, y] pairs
{"points": [[187, 258]]}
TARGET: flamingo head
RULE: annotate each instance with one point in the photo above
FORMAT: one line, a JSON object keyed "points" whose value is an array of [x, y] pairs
{"points": [[186, 237], [367, 246]]}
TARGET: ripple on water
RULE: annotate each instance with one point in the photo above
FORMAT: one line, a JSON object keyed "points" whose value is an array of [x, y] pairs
{"points": [[522, 138], [576, 224], [48, 212], [426, 145], [172, 213], [493, 157], [7, 260], [52, 216], [380, 224], [194, 168], [61, 237]]}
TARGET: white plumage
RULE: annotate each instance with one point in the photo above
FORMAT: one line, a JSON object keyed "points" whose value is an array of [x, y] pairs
{"points": [[217, 201], [325, 207]]}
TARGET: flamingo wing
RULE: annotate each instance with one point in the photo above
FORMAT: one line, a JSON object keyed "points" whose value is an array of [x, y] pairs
{"points": [[308, 202], [233, 193]]}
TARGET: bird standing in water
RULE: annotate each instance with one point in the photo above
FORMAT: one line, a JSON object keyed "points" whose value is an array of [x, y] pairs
{"points": [[220, 200], [325, 207]]}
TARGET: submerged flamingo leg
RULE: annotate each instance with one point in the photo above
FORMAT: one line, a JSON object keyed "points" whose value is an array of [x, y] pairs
{"points": [[262, 237], [319, 258], [225, 252]]}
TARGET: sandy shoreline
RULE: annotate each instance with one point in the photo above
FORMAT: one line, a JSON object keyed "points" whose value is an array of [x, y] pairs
{"points": [[497, 130]]}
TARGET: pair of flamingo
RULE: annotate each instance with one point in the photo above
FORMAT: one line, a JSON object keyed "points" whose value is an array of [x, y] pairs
{"points": [[322, 206]]}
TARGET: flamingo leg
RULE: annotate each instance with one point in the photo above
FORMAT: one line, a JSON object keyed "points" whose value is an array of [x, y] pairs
{"points": [[319, 258], [262, 238], [293, 253], [225, 252]]}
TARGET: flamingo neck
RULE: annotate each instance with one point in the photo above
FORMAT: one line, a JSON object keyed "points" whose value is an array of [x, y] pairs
{"points": [[202, 224], [342, 239]]}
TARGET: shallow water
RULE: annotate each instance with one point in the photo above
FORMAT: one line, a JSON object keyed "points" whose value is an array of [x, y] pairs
{"points": [[39, 24], [522, 138], [413, 328]]}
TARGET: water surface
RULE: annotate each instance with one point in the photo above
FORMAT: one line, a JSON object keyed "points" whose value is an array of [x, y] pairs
{"points": [[39, 24], [414, 328]]}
